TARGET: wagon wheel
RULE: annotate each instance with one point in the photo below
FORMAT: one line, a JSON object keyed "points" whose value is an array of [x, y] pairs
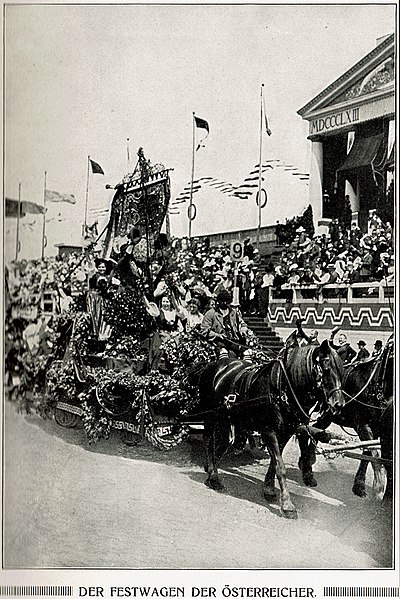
{"points": [[130, 438], [66, 419]]}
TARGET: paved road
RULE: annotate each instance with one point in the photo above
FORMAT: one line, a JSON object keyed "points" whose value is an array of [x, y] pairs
{"points": [[68, 504]]}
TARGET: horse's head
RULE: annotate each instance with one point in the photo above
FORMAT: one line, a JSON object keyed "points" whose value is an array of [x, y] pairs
{"points": [[329, 373]]}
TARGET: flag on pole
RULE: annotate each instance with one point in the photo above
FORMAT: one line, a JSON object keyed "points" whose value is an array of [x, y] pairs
{"points": [[55, 196], [267, 129], [96, 168], [201, 124], [25, 208]]}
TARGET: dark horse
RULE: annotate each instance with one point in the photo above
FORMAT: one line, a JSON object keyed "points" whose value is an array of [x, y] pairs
{"points": [[368, 390], [273, 399]]}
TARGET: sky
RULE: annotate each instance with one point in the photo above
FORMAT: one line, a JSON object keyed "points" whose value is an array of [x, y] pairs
{"points": [[80, 80]]}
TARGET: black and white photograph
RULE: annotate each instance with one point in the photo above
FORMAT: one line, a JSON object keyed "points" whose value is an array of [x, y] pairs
{"points": [[199, 300]]}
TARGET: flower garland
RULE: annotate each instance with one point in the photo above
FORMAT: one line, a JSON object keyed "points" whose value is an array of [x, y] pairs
{"points": [[96, 422], [126, 313]]}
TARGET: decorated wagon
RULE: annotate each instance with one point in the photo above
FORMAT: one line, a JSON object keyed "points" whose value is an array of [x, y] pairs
{"points": [[101, 373]]}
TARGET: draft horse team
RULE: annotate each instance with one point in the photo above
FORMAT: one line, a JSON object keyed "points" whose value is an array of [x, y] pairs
{"points": [[276, 399]]}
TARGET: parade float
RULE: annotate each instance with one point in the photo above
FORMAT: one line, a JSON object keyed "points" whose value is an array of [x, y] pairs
{"points": [[99, 372]]}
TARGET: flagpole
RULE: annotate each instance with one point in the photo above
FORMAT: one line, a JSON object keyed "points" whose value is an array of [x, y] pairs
{"points": [[128, 156], [87, 197], [191, 183], [168, 226], [260, 169], [18, 217], [44, 216]]}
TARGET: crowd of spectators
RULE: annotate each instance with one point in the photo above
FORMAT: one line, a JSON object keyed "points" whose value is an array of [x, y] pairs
{"points": [[202, 271], [340, 256], [198, 272]]}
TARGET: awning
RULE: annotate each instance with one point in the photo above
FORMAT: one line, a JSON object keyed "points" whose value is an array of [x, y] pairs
{"points": [[363, 152]]}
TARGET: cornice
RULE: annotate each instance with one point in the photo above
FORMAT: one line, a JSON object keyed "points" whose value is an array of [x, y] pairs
{"points": [[382, 48], [353, 103]]}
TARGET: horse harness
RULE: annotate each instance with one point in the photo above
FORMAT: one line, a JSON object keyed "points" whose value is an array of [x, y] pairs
{"points": [[378, 373]]}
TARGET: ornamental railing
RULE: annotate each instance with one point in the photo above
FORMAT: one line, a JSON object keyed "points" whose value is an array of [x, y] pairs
{"points": [[374, 292]]}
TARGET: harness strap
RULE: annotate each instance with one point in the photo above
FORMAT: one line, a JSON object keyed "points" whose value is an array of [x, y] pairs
{"points": [[281, 364], [371, 376]]}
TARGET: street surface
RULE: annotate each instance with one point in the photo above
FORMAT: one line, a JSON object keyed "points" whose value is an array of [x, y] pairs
{"points": [[71, 505]]}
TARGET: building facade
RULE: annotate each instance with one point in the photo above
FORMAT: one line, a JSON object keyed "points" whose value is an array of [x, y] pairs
{"points": [[352, 132]]}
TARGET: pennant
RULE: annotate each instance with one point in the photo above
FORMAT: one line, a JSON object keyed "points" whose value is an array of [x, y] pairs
{"points": [[201, 124], [267, 129], [96, 168], [91, 231], [55, 196]]}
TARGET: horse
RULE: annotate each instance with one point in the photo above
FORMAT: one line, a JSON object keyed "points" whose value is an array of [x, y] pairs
{"points": [[264, 398], [368, 388], [386, 435]]}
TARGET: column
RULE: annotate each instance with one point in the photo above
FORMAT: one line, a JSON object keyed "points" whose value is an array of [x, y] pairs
{"points": [[353, 196], [316, 180]]}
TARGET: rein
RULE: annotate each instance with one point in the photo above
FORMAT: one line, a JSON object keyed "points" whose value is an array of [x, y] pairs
{"points": [[354, 398], [281, 364], [224, 406]]}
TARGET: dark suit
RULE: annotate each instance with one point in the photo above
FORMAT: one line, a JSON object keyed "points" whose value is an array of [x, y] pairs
{"points": [[214, 321]]}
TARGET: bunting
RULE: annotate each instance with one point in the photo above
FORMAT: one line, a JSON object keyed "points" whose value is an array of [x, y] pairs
{"points": [[55, 196]]}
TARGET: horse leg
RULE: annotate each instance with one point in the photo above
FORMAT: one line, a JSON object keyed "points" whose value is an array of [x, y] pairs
{"points": [[274, 448], [269, 490], [365, 434], [307, 446], [387, 455], [217, 441], [307, 459]]}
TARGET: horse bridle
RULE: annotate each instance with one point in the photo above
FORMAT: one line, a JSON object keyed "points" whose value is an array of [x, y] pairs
{"points": [[318, 369]]}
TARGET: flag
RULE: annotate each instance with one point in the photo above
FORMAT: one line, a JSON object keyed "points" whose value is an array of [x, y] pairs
{"points": [[201, 124], [267, 129], [96, 168], [55, 196], [91, 231], [25, 208]]}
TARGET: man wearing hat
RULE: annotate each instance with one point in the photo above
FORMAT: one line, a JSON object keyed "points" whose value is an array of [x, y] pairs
{"points": [[344, 349], [363, 353], [378, 346], [224, 321]]}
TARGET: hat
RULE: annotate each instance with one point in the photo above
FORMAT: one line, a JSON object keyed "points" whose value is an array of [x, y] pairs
{"points": [[109, 264], [293, 267], [224, 297], [361, 342], [378, 343], [300, 230], [134, 233], [219, 273]]}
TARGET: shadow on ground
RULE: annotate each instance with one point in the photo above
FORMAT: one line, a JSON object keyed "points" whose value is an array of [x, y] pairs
{"points": [[362, 524]]}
